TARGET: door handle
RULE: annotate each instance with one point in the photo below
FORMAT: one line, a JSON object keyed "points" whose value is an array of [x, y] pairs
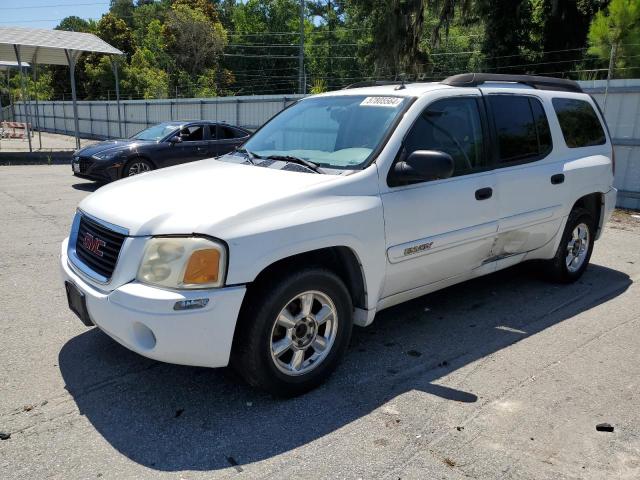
{"points": [[557, 179], [484, 193]]}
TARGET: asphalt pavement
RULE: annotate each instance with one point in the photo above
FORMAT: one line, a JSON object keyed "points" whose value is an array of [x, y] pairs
{"points": [[504, 377]]}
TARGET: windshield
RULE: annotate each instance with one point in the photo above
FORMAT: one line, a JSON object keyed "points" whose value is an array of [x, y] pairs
{"points": [[157, 132], [334, 131]]}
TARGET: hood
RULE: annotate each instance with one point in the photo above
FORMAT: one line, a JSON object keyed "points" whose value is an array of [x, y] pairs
{"points": [[108, 145], [194, 197]]}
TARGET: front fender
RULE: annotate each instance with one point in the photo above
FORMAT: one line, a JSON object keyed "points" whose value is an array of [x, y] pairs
{"points": [[352, 222]]}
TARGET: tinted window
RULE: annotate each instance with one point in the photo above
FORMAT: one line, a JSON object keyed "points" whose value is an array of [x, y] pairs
{"points": [[579, 124], [453, 126], [225, 132], [192, 133], [522, 128], [239, 133]]}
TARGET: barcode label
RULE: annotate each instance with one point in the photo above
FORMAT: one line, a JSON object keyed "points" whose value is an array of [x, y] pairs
{"points": [[381, 102]]}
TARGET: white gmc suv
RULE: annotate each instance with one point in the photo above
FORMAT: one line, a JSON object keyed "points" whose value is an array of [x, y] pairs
{"points": [[342, 205]]}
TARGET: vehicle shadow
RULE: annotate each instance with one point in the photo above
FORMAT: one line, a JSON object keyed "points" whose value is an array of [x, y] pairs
{"points": [[172, 418], [88, 186]]}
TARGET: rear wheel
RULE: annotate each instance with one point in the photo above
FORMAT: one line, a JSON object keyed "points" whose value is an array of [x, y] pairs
{"points": [[136, 166], [576, 246], [293, 332]]}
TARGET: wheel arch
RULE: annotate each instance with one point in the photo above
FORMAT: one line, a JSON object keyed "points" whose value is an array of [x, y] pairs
{"points": [[341, 260], [594, 204]]}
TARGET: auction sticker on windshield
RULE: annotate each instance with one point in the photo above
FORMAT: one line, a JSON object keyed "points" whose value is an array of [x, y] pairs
{"points": [[382, 101]]}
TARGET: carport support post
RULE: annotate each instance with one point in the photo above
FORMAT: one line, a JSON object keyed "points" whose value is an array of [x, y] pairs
{"points": [[35, 81], [71, 60], [114, 66], [16, 49]]}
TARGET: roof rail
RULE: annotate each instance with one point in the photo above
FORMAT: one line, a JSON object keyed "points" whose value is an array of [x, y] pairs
{"points": [[374, 83], [541, 83]]}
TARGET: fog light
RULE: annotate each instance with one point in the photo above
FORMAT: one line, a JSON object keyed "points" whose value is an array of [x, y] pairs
{"points": [[191, 304]]}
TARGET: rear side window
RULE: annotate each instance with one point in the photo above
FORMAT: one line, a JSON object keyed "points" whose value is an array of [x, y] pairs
{"points": [[226, 132], [579, 123], [522, 128]]}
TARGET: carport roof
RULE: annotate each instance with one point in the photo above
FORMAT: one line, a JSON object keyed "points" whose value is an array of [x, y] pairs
{"points": [[43, 46]]}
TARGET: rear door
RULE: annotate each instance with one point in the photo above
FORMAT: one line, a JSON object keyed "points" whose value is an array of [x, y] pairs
{"points": [[442, 229], [530, 179], [228, 138]]}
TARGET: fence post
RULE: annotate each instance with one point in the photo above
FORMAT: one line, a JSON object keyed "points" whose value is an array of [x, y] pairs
{"points": [[238, 112], [91, 119], [612, 61], [124, 114], [146, 113], [106, 111]]}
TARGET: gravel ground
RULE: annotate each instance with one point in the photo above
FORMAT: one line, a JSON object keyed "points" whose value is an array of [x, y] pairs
{"points": [[501, 377]]}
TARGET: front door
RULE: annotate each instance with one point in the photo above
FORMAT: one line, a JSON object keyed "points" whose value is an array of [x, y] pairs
{"points": [[442, 229], [194, 145]]}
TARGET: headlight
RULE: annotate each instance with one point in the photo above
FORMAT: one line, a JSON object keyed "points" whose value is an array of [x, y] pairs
{"points": [[108, 155], [183, 262]]}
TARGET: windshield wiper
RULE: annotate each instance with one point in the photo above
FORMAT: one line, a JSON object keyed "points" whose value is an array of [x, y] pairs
{"points": [[298, 160], [250, 155]]}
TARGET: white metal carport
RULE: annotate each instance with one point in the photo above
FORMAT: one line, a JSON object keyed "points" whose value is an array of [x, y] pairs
{"points": [[53, 47]]}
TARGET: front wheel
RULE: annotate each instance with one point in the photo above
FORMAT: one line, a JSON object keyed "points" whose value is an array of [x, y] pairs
{"points": [[136, 167], [574, 252], [291, 335]]}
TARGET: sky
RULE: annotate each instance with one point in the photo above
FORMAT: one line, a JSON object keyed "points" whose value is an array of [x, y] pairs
{"points": [[48, 13]]}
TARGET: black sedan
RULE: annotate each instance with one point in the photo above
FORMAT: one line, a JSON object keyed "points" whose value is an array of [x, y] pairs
{"points": [[163, 145]]}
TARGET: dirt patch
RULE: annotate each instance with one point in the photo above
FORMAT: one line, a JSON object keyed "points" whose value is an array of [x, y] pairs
{"points": [[625, 220]]}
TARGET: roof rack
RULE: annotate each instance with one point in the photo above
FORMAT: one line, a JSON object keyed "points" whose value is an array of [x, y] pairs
{"points": [[375, 83], [540, 83]]}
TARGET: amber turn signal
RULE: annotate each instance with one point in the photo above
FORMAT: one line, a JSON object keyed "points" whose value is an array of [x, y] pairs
{"points": [[203, 267]]}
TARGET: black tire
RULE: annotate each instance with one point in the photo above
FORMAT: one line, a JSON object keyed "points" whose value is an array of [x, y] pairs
{"points": [[556, 268], [133, 163], [252, 355]]}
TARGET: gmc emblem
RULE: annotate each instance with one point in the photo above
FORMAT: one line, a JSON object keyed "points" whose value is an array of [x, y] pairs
{"points": [[93, 244]]}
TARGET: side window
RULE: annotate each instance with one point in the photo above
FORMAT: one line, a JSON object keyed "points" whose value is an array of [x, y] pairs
{"points": [[579, 123], [225, 132], [522, 128], [239, 133], [453, 126], [192, 133]]}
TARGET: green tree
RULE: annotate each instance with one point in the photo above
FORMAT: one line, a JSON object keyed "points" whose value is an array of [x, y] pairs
{"points": [[615, 32], [263, 50], [142, 79], [194, 40], [392, 31]]}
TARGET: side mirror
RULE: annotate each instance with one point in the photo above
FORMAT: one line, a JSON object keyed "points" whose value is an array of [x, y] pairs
{"points": [[176, 139], [424, 165]]}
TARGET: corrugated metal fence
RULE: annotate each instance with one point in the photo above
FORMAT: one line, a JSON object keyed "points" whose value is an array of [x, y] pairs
{"points": [[621, 104], [99, 119]]}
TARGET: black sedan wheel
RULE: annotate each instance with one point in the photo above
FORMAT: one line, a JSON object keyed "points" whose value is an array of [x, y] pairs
{"points": [[136, 166]]}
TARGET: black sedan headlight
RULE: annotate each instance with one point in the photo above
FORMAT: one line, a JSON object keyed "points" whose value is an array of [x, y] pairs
{"points": [[108, 155]]}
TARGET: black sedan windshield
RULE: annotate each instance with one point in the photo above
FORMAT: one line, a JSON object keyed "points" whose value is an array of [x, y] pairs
{"points": [[155, 133], [333, 131]]}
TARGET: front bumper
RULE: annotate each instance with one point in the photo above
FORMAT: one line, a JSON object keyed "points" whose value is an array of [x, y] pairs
{"points": [[98, 170], [142, 319]]}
